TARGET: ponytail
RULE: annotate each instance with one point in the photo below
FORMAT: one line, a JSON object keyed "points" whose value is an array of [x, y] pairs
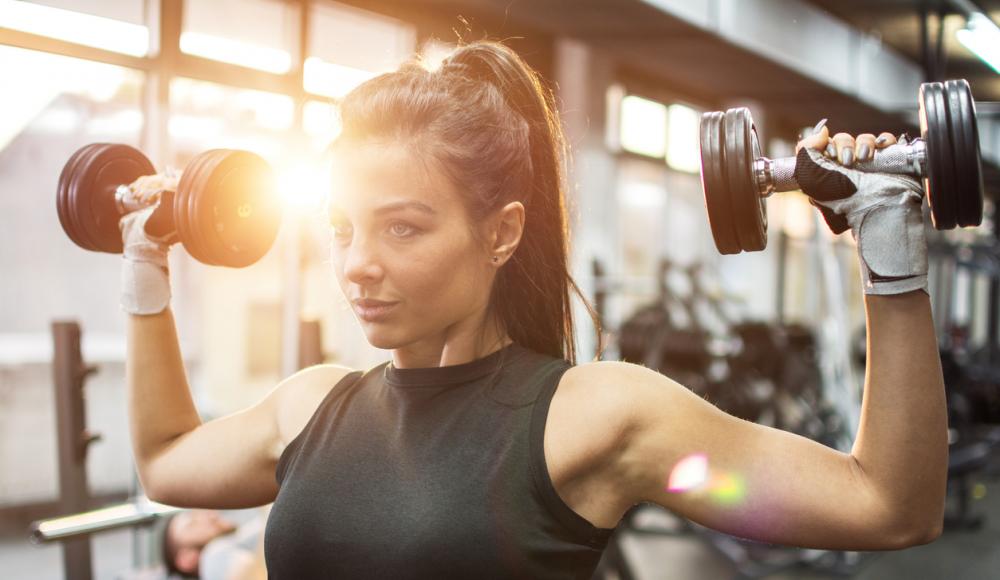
{"points": [[493, 128]]}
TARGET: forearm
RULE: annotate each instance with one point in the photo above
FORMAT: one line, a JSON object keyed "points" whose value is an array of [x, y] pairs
{"points": [[902, 440], [159, 400]]}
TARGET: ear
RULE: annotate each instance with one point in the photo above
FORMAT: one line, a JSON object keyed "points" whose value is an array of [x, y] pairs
{"points": [[186, 560], [508, 226]]}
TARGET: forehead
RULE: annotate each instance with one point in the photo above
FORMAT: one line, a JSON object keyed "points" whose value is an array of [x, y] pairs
{"points": [[374, 175]]}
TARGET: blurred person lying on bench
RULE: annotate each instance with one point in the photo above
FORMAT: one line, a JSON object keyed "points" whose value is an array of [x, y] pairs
{"points": [[206, 544]]}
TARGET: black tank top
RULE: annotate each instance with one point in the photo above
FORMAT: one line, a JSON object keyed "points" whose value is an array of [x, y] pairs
{"points": [[429, 473]]}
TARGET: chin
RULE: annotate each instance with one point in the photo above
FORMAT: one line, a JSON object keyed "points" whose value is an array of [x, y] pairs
{"points": [[383, 338]]}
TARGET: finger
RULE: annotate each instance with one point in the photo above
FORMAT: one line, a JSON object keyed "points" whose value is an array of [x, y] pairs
{"points": [[884, 140], [864, 147], [818, 140], [844, 143], [147, 188]]}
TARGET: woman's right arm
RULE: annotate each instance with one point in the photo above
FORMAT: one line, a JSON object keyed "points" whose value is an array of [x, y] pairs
{"points": [[226, 463]]}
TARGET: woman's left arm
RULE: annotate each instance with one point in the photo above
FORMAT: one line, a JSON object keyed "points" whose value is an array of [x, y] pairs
{"points": [[757, 482], [902, 440]]}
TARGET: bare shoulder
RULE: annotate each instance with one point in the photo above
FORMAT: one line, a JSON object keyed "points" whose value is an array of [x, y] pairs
{"points": [[607, 425], [610, 392], [298, 396], [624, 402], [592, 418]]}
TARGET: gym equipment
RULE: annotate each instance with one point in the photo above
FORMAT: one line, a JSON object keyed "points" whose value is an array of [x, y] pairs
{"points": [[74, 439], [224, 211], [737, 178], [138, 512]]}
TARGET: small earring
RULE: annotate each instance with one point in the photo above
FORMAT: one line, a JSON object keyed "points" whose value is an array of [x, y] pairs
{"points": [[496, 259]]}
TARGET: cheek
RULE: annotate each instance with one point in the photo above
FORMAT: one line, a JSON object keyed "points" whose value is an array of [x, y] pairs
{"points": [[444, 273], [442, 269]]}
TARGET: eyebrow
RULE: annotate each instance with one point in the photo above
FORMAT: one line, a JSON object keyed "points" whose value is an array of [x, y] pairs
{"points": [[401, 205]]}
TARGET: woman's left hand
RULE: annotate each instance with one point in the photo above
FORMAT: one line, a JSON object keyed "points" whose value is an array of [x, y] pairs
{"points": [[844, 147]]}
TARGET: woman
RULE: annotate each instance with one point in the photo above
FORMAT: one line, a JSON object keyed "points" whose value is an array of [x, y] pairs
{"points": [[482, 448]]}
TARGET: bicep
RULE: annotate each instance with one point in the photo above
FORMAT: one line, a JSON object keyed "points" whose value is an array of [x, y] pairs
{"points": [[742, 478], [229, 462], [226, 463]]}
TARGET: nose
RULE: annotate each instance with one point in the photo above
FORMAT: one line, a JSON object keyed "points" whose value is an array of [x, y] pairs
{"points": [[361, 264]]}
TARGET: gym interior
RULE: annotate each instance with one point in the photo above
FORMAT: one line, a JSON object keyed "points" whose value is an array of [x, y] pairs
{"points": [[769, 329]]}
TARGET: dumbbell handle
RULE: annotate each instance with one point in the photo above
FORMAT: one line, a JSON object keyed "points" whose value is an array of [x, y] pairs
{"points": [[126, 202], [776, 175]]}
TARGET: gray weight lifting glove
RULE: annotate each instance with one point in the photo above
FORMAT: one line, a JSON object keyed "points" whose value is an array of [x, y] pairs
{"points": [[884, 214], [145, 272]]}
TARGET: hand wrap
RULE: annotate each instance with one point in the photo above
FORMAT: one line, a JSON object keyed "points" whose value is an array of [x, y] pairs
{"points": [[145, 272]]}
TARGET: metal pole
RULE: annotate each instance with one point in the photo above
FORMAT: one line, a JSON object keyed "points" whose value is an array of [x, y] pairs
{"points": [[292, 289], [69, 373]]}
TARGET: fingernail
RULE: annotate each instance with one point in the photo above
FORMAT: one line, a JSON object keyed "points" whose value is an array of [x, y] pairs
{"points": [[881, 140], [846, 156], [863, 152], [819, 127], [831, 151]]}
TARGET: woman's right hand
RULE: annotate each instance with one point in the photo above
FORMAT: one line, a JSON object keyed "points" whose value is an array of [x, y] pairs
{"points": [[145, 272]]}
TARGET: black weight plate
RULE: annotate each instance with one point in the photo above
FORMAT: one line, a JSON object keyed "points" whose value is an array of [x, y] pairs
{"points": [[201, 205], [940, 181], [242, 213], [196, 199], [968, 164], [714, 186], [190, 183], [755, 153], [82, 190], [956, 136], [77, 200], [64, 199], [92, 181], [113, 166], [746, 201], [180, 206]]}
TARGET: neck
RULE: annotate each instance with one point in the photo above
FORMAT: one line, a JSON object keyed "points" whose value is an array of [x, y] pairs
{"points": [[449, 350]]}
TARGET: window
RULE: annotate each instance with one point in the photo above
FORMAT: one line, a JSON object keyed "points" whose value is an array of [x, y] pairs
{"points": [[59, 105], [643, 126], [258, 34], [115, 26], [348, 46], [683, 151], [205, 115]]}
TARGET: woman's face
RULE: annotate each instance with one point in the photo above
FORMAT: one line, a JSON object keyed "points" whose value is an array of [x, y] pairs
{"points": [[401, 235]]}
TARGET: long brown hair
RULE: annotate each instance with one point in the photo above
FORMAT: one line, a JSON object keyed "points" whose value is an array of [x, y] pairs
{"points": [[490, 124]]}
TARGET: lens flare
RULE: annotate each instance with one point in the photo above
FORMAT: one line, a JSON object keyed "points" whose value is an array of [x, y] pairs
{"points": [[727, 489], [689, 474], [303, 186]]}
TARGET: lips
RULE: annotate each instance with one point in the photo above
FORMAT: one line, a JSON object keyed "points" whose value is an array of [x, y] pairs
{"points": [[371, 303], [371, 310]]}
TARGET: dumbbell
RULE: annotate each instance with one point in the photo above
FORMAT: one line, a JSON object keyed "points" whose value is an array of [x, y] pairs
{"points": [[224, 211], [737, 179]]}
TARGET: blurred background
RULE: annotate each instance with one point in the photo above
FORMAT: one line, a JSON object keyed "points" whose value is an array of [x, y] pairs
{"points": [[774, 336]]}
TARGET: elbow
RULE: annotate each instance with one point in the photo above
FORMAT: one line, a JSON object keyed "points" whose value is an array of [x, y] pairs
{"points": [[927, 534], [915, 536], [152, 492], [152, 487]]}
